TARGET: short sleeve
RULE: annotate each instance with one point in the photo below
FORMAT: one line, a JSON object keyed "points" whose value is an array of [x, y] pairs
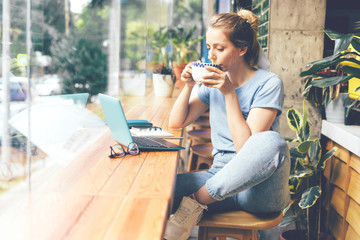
{"points": [[270, 95], [204, 94]]}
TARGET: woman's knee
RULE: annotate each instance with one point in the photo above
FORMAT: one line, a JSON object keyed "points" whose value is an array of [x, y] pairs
{"points": [[268, 136], [268, 141]]}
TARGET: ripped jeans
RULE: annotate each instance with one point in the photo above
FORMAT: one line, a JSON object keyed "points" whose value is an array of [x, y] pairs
{"points": [[256, 179]]}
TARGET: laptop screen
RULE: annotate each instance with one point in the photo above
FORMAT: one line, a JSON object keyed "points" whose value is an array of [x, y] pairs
{"points": [[116, 119]]}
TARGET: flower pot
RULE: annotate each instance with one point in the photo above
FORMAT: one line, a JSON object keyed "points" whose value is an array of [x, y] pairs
{"points": [[178, 68], [335, 110], [163, 85]]}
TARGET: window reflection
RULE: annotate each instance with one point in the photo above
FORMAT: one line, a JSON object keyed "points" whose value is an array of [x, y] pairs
{"points": [[76, 51]]}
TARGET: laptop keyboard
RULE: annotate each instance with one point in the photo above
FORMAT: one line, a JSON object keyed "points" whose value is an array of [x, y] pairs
{"points": [[148, 142]]}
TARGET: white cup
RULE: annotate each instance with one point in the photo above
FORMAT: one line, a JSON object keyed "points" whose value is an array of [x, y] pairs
{"points": [[198, 70]]}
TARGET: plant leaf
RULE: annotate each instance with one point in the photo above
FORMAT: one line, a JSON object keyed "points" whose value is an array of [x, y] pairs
{"points": [[294, 119], [304, 112], [333, 60], [289, 140], [316, 66], [307, 164], [333, 35], [309, 197], [313, 94], [301, 174], [322, 163], [305, 130], [351, 70], [356, 44], [315, 153], [294, 153], [305, 146], [330, 81], [326, 96], [342, 41], [294, 184]]}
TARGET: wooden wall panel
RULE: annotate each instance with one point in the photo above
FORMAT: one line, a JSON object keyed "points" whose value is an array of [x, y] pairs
{"points": [[335, 224], [343, 192], [328, 168], [351, 234], [338, 198], [355, 162], [354, 186], [342, 154], [353, 216], [338, 174]]}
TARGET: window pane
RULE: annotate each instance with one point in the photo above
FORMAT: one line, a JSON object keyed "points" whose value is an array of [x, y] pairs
{"points": [[79, 49]]}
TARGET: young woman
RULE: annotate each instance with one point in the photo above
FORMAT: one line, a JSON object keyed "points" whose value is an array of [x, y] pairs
{"points": [[251, 165]]}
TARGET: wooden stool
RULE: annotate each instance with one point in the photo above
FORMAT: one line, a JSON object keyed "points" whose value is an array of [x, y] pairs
{"points": [[200, 157], [236, 224], [205, 114], [199, 136], [196, 136], [201, 123]]}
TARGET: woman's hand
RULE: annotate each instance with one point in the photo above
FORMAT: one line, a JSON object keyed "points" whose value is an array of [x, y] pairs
{"points": [[186, 75], [217, 78]]}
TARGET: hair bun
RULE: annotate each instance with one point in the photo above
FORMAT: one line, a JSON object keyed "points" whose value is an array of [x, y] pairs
{"points": [[250, 18]]}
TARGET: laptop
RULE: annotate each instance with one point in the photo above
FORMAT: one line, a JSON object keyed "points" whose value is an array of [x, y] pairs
{"points": [[120, 131]]}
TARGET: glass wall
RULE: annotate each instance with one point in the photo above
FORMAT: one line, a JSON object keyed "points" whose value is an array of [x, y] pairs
{"points": [[54, 65]]}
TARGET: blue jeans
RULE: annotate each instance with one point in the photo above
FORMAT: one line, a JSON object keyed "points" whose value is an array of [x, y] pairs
{"points": [[256, 179]]}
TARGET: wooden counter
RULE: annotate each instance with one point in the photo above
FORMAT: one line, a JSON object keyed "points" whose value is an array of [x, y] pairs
{"points": [[95, 197], [347, 136], [341, 188]]}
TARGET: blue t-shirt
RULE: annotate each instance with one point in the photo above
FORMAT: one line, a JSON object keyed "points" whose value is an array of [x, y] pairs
{"points": [[264, 89]]}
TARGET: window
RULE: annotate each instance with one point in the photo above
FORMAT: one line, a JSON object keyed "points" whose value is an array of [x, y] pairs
{"points": [[77, 49]]}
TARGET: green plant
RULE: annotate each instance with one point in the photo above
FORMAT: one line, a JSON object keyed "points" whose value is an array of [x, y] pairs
{"points": [[184, 44], [81, 64], [307, 162], [187, 13], [157, 42], [324, 77], [135, 47]]}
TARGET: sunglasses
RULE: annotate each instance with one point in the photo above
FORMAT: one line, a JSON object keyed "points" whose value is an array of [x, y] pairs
{"points": [[117, 151]]}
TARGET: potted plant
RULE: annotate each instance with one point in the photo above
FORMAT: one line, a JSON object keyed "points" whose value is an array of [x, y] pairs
{"points": [[158, 42], [163, 79], [352, 112], [307, 162], [324, 78], [184, 47]]}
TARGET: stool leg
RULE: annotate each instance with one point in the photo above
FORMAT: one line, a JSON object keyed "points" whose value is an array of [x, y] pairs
{"points": [[189, 144], [254, 234], [202, 233], [192, 161]]}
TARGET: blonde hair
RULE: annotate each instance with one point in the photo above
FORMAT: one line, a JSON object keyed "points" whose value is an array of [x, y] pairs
{"points": [[241, 29]]}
